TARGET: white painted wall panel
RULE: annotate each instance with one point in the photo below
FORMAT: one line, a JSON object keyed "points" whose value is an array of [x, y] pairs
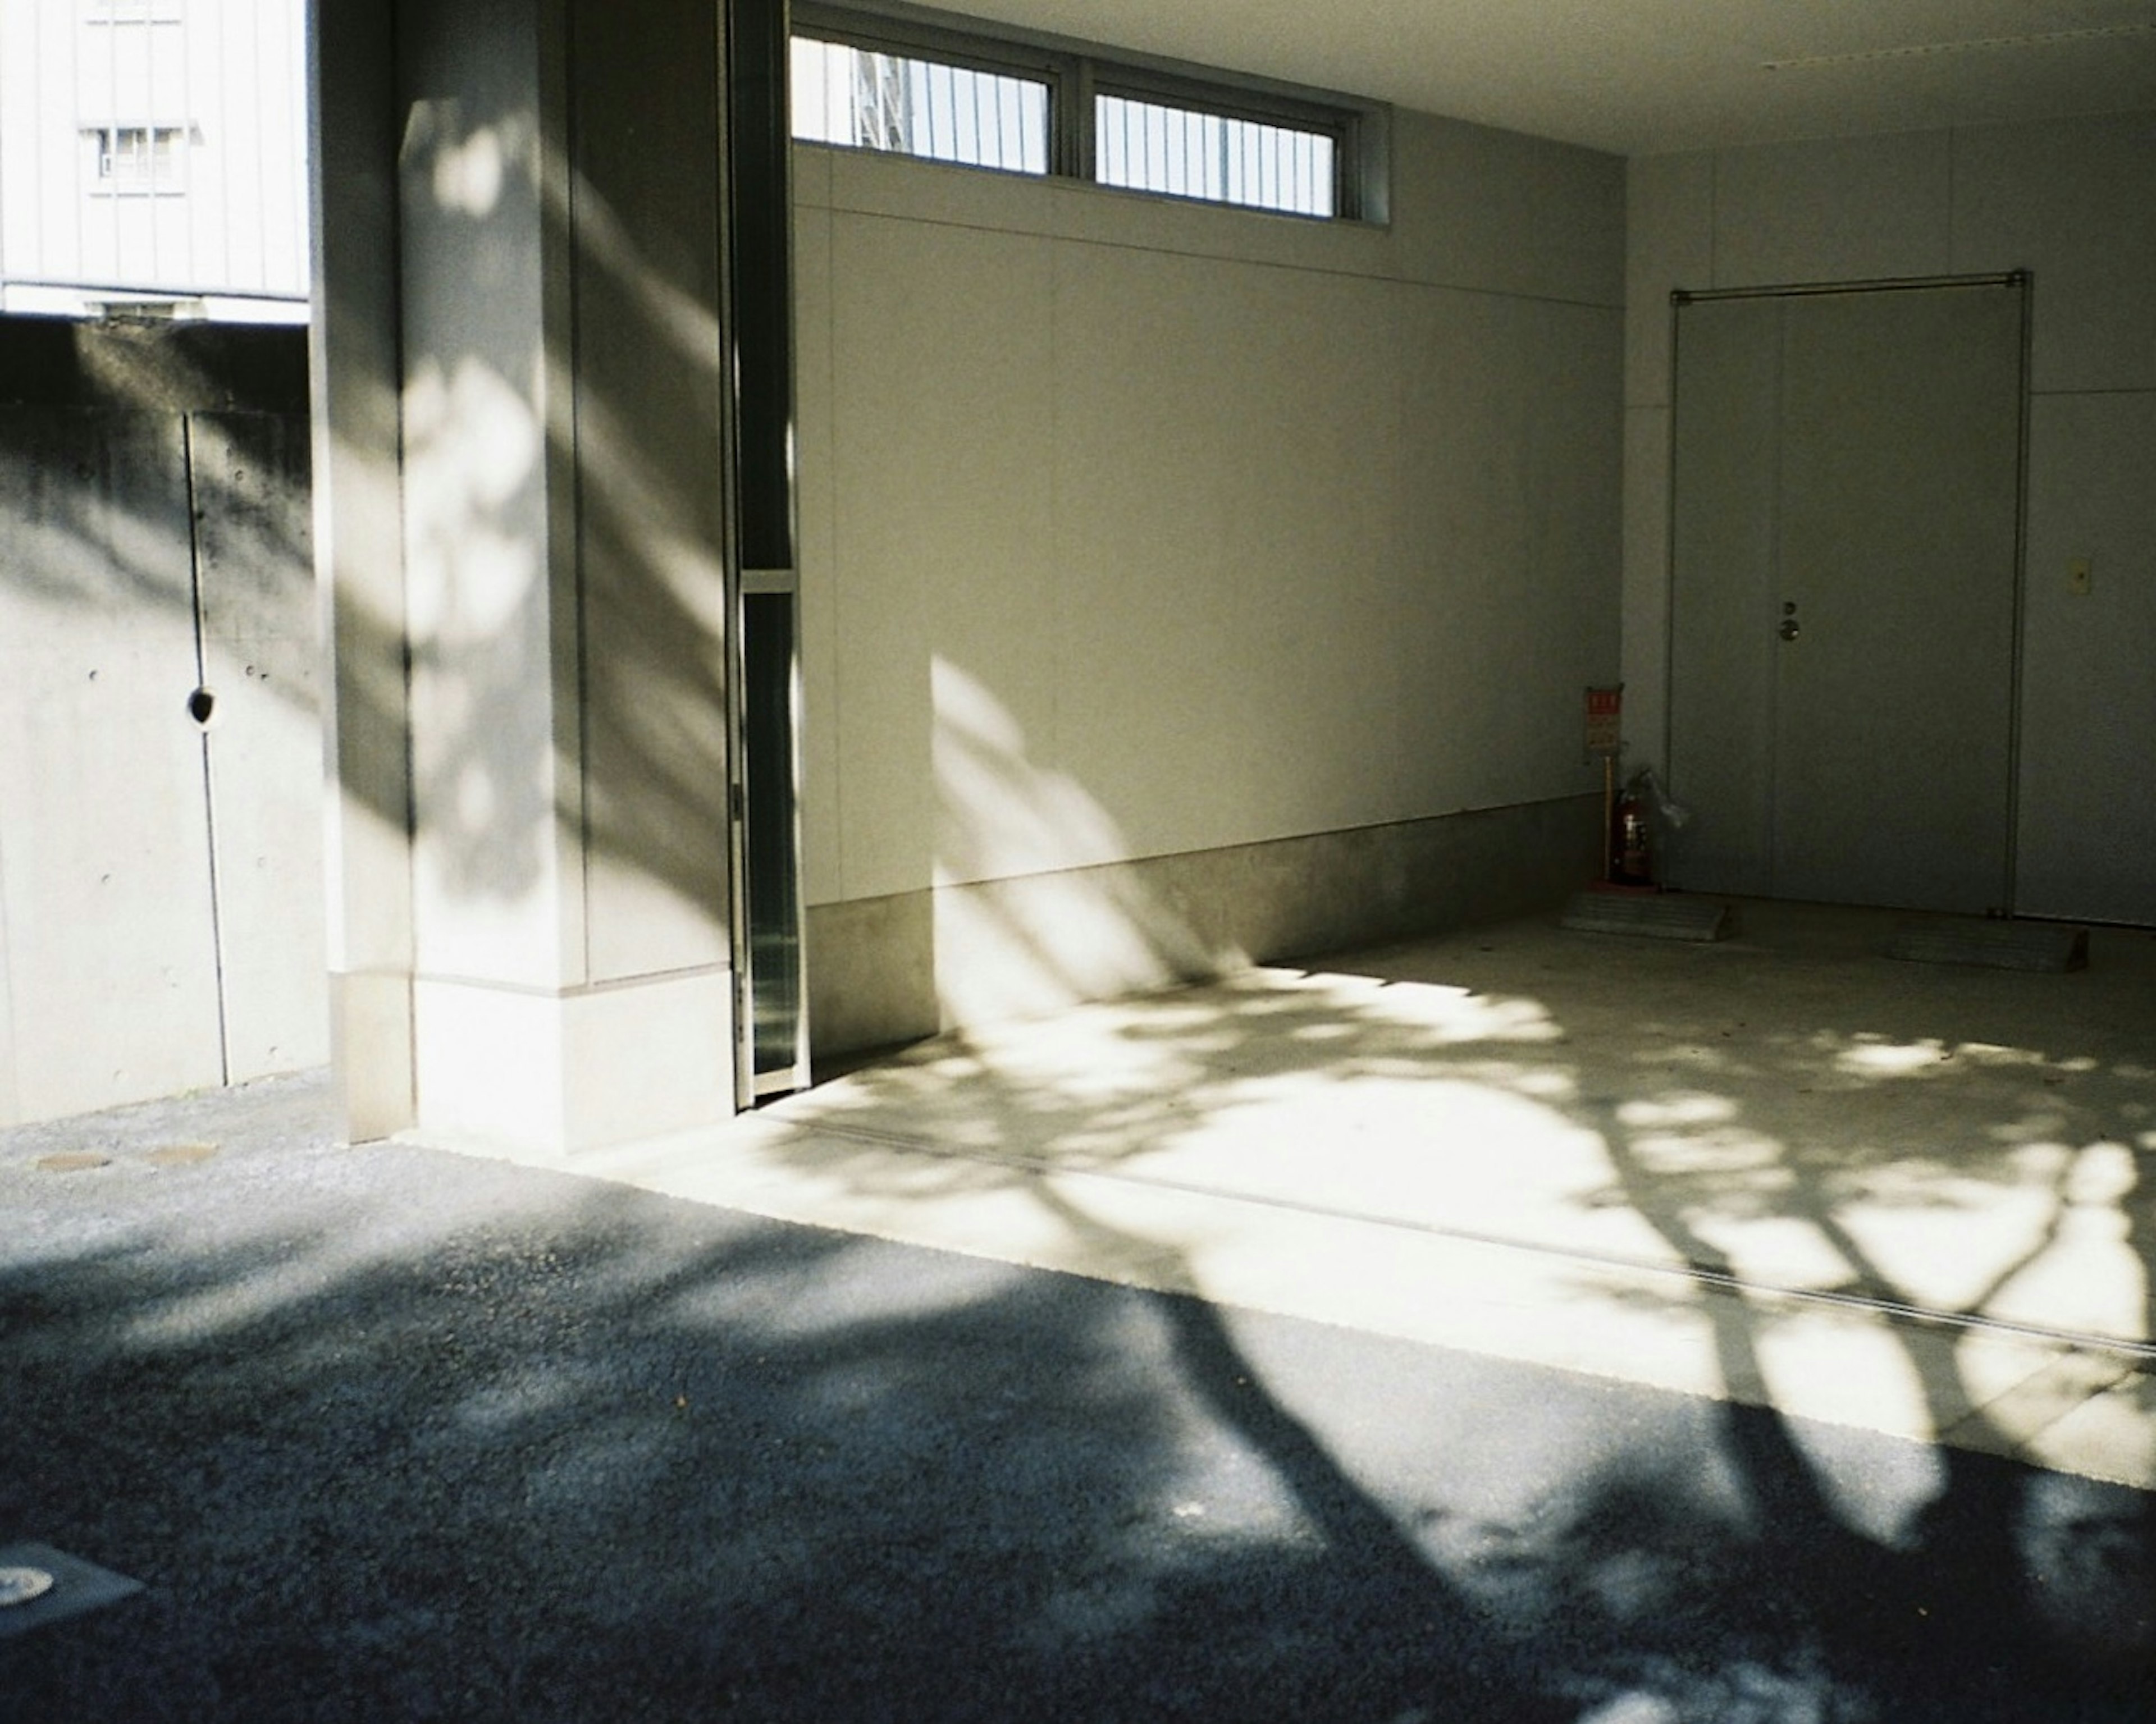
{"points": [[2088, 824], [1155, 528], [1223, 491], [1646, 586], [816, 499], [1835, 210], [865, 182], [941, 446], [2075, 200], [1669, 241], [1473, 207], [1512, 510]]}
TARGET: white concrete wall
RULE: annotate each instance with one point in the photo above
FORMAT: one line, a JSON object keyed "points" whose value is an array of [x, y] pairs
{"points": [[161, 909], [1134, 529], [2074, 201]]}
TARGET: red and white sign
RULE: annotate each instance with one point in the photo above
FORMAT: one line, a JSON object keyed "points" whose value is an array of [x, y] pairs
{"points": [[1605, 709]]}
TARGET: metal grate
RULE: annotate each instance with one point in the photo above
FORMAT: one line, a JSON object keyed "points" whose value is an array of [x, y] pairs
{"points": [[1656, 916], [2045, 947], [1152, 146], [909, 106]]}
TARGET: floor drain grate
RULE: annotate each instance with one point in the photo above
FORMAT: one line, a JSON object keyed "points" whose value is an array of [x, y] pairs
{"points": [[2052, 947], [1652, 914], [40, 1585]]}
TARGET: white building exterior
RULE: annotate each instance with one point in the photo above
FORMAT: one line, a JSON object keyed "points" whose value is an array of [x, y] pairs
{"points": [[153, 158]]}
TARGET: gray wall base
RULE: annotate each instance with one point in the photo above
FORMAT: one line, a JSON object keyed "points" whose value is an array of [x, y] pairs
{"points": [[893, 969]]}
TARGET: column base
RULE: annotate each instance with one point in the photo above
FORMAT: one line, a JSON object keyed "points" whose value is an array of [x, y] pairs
{"points": [[539, 1076]]}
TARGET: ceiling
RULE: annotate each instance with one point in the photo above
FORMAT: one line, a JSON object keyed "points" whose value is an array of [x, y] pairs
{"points": [[1641, 77]]}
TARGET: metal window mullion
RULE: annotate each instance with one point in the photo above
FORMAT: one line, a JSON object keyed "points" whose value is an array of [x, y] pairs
{"points": [[941, 114], [840, 95], [1075, 147]]}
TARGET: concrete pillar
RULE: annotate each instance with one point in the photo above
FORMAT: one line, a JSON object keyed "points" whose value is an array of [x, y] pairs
{"points": [[549, 915], [359, 562]]}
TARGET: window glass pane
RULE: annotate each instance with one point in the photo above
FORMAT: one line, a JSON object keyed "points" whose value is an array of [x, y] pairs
{"points": [[1150, 147], [918, 107], [137, 158]]}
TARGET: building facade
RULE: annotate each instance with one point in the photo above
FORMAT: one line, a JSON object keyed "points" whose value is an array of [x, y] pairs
{"points": [[153, 158]]}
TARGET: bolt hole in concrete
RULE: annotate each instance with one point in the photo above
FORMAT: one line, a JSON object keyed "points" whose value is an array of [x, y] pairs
{"points": [[202, 706]]}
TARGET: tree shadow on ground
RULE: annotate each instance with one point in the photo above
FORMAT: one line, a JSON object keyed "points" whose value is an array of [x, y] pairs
{"points": [[396, 1434], [1726, 1563], [393, 1433]]}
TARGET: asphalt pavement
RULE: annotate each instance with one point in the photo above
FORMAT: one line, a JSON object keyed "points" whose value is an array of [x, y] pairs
{"points": [[390, 1433]]}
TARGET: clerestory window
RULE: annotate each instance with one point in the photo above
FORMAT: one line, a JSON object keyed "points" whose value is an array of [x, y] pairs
{"points": [[873, 100], [897, 83]]}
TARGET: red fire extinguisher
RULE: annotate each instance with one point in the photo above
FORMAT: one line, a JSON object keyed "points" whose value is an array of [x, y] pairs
{"points": [[1632, 852]]}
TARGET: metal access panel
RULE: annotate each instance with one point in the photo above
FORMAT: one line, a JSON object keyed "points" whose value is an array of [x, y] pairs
{"points": [[1845, 537]]}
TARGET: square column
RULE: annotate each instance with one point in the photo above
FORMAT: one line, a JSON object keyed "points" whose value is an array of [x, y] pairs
{"points": [[552, 917]]}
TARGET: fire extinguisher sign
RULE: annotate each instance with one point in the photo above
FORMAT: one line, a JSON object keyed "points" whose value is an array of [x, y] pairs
{"points": [[1605, 708]]}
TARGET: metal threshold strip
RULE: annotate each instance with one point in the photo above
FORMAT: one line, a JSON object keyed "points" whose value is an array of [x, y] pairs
{"points": [[2142, 1354]]}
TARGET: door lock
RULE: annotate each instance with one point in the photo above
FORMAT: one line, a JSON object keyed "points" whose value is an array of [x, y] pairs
{"points": [[1790, 629]]}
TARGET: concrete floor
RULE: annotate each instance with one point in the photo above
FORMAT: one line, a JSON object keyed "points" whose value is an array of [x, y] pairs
{"points": [[1911, 1198], [1478, 1417]]}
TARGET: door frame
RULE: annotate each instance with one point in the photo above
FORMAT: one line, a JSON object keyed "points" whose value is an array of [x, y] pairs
{"points": [[763, 556], [2022, 281]]}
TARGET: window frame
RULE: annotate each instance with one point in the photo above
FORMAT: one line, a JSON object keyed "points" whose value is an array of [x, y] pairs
{"points": [[1247, 106], [150, 172], [963, 55], [1078, 72]]}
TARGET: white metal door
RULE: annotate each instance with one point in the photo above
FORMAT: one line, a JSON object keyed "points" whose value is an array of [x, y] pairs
{"points": [[1844, 594]]}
